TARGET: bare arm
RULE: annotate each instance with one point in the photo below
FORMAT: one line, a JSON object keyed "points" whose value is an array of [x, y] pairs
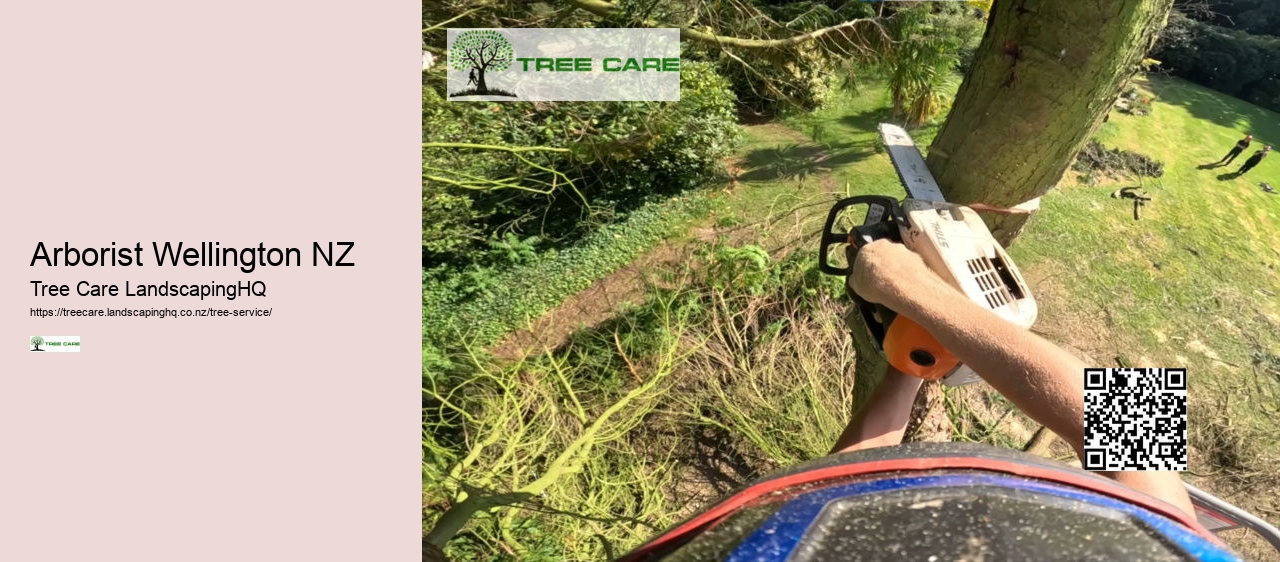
{"points": [[1042, 379], [883, 421]]}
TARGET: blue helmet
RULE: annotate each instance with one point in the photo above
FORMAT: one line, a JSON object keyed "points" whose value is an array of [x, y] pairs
{"points": [[936, 502]]}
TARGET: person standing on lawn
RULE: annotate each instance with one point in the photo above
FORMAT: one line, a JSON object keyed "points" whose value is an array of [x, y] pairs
{"points": [[1240, 146], [1235, 151], [1253, 160]]}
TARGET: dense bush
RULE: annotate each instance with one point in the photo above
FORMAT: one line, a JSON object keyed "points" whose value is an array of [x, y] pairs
{"points": [[921, 61], [1228, 60], [594, 161], [767, 81], [799, 79]]}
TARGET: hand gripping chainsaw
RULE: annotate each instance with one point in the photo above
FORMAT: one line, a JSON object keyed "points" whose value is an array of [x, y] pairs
{"points": [[951, 239]]}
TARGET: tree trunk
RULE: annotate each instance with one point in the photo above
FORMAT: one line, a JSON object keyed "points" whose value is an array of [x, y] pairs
{"points": [[480, 87], [1045, 76], [869, 363]]}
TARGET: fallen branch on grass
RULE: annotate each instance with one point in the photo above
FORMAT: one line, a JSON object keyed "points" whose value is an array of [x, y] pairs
{"points": [[1139, 199]]}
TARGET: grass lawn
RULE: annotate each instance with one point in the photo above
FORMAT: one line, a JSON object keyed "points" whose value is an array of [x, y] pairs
{"points": [[1193, 284]]}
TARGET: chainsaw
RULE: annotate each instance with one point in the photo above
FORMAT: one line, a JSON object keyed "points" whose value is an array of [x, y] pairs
{"points": [[952, 240]]}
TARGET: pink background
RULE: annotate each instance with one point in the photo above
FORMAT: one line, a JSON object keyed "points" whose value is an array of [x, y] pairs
{"points": [[294, 437]]}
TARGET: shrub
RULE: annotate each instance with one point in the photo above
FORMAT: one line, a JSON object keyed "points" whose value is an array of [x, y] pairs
{"points": [[1230, 61], [918, 65], [610, 156], [963, 26], [769, 81], [799, 79]]}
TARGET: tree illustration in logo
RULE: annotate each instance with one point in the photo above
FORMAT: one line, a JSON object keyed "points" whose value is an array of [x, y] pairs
{"points": [[479, 51], [37, 341]]}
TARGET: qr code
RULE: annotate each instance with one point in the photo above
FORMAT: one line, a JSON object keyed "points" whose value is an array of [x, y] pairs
{"points": [[1135, 419]]}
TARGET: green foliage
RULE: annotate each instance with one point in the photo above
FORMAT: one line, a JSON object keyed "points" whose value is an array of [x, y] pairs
{"points": [[480, 48], [747, 267], [481, 303], [799, 79], [585, 452], [612, 155], [962, 26], [514, 250], [690, 140], [766, 83], [919, 64], [544, 470], [1228, 60], [769, 382], [626, 158], [448, 221]]}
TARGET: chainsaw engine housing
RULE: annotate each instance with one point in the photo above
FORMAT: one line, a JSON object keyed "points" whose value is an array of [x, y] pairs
{"points": [[955, 243]]}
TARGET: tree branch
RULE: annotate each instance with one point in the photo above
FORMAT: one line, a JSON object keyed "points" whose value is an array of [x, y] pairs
{"points": [[450, 20], [606, 9], [558, 178]]}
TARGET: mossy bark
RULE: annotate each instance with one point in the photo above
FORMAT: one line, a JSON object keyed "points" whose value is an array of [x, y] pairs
{"points": [[869, 364], [1045, 75]]}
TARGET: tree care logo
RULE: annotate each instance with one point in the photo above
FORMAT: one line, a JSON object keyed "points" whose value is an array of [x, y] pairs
{"points": [[563, 64], [478, 52], [56, 344]]}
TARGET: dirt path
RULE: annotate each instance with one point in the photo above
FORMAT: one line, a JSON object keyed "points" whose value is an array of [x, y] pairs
{"points": [[601, 301]]}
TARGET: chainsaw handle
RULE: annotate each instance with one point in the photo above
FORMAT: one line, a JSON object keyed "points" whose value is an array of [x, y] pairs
{"points": [[884, 215], [906, 345], [914, 351]]}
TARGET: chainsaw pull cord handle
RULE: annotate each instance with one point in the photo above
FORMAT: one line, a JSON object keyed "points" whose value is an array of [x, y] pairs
{"points": [[907, 346]]}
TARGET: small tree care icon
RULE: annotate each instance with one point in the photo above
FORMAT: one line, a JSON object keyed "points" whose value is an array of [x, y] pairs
{"points": [[479, 51], [36, 342]]}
